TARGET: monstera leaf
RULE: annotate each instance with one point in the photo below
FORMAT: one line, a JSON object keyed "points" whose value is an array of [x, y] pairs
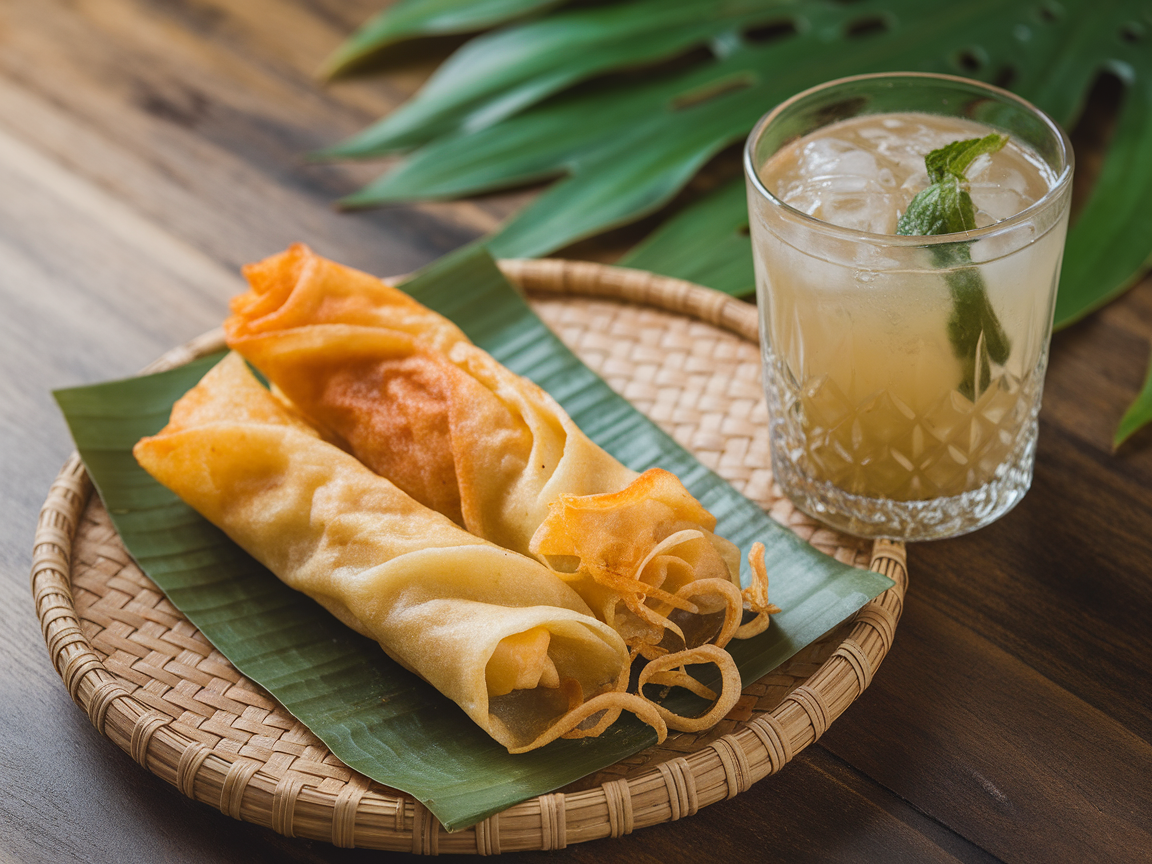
{"points": [[410, 19], [545, 98]]}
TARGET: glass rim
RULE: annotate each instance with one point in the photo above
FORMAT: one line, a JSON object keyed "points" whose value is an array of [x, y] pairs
{"points": [[1063, 180]]}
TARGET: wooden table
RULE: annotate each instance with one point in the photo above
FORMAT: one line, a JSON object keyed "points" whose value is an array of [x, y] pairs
{"points": [[148, 148]]}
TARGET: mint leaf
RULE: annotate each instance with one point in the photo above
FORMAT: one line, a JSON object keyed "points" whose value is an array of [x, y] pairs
{"points": [[953, 159], [945, 207], [942, 208]]}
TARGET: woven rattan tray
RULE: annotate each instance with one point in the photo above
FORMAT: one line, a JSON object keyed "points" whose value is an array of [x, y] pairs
{"points": [[684, 355]]}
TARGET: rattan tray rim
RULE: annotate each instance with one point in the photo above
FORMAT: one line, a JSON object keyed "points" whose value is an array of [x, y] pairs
{"points": [[359, 816]]}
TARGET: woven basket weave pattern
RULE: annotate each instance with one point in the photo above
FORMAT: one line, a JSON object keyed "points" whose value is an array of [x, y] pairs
{"points": [[154, 685]]}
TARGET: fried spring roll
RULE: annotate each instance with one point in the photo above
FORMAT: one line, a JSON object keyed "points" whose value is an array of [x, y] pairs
{"points": [[496, 632]]}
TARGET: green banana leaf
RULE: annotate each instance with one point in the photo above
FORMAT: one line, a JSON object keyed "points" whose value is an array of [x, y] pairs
{"points": [[505, 110], [376, 717]]}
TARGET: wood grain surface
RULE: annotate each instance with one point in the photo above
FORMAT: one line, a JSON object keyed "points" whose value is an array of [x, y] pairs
{"points": [[148, 148]]}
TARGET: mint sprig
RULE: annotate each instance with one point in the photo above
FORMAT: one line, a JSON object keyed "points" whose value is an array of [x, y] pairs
{"points": [[945, 207]]}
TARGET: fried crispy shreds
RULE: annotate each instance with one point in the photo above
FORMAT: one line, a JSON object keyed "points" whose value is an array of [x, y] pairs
{"points": [[649, 542], [577, 724], [756, 595], [669, 669], [681, 678], [570, 725]]}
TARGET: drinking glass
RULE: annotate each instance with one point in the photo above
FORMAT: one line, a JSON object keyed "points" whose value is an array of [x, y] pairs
{"points": [[880, 425]]}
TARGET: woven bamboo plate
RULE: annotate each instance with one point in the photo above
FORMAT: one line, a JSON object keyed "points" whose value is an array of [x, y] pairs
{"points": [[684, 355]]}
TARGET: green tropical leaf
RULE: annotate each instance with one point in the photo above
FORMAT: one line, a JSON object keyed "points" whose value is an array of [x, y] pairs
{"points": [[1110, 246], [373, 715], [410, 19], [1139, 413], [500, 73], [535, 145], [706, 244]]}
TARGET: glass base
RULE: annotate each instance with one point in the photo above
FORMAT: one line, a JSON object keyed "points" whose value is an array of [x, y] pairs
{"points": [[930, 519]]}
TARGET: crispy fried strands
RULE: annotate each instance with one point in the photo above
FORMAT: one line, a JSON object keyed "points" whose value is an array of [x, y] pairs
{"points": [[669, 669], [756, 596], [650, 547]]}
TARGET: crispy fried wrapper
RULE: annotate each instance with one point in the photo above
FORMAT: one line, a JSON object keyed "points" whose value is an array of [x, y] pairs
{"points": [[498, 633]]}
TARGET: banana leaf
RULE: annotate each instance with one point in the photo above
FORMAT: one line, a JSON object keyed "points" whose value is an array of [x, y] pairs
{"points": [[624, 147], [373, 715]]}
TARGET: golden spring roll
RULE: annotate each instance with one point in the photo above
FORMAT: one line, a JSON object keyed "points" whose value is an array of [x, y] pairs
{"points": [[404, 391], [496, 632]]}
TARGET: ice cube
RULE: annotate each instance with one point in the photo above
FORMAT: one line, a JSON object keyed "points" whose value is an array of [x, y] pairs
{"points": [[832, 156], [867, 210], [995, 203], [802, 195], [905, 144], [1014, 180], [979, 165], [915, 183], [842, 183], [846, 183]]}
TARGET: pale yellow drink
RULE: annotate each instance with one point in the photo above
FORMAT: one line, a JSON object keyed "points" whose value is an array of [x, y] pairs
{"points": [[878, 416]]}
